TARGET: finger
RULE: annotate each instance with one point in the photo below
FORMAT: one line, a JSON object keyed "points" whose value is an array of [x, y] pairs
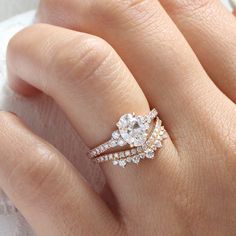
{"points": [[45, 187], [211, 31], [93, 86], [152, 47]]}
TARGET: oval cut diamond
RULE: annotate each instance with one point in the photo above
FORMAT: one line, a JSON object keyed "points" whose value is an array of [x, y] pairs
{"points": [[133, 129]]}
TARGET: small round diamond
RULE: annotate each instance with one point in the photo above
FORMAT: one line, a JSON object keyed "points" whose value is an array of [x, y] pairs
{"points": [[115, 163], [151, 140], [127, 153], [145, 146], [116, 134], [136, 159], [149, 153], [133, 151], [139, 149], [158, 144], [121, 142], [113, 143], [116, 155], [162, 132], [122, 154], [153, 113], [142, 155], [149, 119], [122, 163], [93, 154], [148, 143], [165, 135]]}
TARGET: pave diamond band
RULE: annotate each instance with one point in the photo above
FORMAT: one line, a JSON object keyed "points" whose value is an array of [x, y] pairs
{"points": [[132, 130], [140, 133]]}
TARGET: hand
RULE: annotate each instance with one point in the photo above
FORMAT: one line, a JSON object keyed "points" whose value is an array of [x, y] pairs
{"points": [[143, 61]]}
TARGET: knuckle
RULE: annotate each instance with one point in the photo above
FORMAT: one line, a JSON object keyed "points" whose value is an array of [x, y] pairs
{"points": [[131, 3], [197, 4], [98, 51], [44, 166], [110, 12], [121, 4], [33, 177], [185, 6], [82, 59]]}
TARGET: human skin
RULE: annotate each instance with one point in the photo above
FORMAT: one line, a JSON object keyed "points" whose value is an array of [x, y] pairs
{"points": [[107, 58]]}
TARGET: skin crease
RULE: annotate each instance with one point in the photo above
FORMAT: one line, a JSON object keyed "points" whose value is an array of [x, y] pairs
{"points": [[190, 188]]}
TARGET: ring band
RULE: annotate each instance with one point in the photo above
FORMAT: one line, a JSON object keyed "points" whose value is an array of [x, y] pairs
{"points": [[133, 131]]}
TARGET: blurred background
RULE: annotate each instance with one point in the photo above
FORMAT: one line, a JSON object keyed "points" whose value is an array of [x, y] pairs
{"points": [[10, 8]]}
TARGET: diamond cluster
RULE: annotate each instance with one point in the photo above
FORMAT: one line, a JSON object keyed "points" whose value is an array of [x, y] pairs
{"points": [[135, 155], [132, 130]]}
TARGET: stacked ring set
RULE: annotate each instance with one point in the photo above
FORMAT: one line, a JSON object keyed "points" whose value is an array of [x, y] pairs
{"points": [[143, 134]]}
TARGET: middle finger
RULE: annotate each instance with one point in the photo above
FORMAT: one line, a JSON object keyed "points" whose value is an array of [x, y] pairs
{"points": [[153, 48]]}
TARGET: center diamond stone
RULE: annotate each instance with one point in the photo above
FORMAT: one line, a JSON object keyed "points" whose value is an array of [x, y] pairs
{"points": [[133, 129]]}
